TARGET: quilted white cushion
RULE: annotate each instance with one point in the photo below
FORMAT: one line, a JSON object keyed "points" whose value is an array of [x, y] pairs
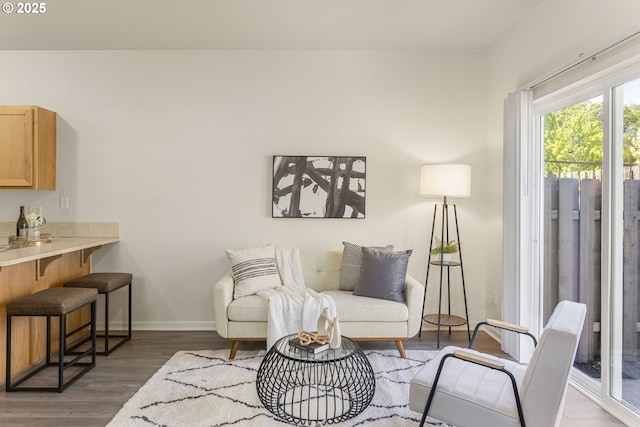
{"points": [[465, 384]]}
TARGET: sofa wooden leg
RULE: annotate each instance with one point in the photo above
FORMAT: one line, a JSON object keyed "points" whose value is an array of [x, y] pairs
{"points": [[234, 348], [401, 349]]}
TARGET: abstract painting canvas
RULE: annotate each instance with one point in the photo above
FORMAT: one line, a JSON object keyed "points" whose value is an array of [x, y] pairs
{"points": [[318, 187]]}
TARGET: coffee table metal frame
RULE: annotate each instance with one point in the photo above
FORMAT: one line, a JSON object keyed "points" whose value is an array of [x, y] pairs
{"points": [[304, 389]]}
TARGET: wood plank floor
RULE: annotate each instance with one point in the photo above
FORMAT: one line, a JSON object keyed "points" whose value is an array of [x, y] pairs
{"points": [[96, 398]]}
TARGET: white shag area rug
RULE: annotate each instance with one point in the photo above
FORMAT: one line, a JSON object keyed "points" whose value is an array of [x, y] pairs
{"points": [[204, 388]]}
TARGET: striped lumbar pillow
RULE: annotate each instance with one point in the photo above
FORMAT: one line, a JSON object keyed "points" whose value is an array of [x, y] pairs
{"points": [[253, 270]]}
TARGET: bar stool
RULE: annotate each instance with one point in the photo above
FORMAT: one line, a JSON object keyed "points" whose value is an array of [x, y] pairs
{"points": [[55, 302], [105, 284]]}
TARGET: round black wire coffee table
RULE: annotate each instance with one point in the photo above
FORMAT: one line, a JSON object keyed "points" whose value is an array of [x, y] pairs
{"points": [[304, 388]]}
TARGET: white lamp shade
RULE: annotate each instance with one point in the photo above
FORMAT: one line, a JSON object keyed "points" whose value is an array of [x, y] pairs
{"points": [[445, 180]]}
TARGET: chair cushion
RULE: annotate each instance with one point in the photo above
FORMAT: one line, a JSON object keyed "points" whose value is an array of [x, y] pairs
{"points": [[52, 301], [463, 385], [103, 282], [383, 274]]}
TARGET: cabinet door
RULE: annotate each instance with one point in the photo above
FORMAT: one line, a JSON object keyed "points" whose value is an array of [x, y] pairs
{"points": [[16, 147]]}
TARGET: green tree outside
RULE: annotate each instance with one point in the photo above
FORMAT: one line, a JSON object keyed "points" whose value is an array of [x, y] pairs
{"points": [[573, 137]]}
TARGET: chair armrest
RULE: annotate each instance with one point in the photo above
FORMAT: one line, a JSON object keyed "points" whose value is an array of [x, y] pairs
{"points": [[222, 297], [414, 295], [478, 358], [508, 326], [502, 325]]}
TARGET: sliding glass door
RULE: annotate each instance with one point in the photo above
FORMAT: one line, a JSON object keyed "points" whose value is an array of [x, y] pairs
{"points": [[625, 302], [573, 149], [590, 229]]}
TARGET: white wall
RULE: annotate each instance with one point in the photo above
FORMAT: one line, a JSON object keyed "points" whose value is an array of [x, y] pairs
{"points": [[553, 35], [177, 147]]}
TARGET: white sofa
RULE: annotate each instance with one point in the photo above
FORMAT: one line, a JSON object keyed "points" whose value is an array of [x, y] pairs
{"points": [[361, 318]]}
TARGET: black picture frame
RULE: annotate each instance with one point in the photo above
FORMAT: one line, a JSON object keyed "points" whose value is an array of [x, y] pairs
{"points": [[319, 187]]}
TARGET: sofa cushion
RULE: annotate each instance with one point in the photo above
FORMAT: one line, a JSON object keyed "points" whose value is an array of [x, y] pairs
{"points": [[383, 274], [349, 308], [352, 308], [351, 264], [253, 269], [252, 308], [321, 270]]}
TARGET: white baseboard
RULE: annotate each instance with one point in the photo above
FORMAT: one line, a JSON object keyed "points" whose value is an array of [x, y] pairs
{"points": [[161, 326], [210, 326], [492, 332]]}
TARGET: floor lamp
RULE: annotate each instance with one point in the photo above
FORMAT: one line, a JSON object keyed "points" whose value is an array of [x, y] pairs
{"points": [[445, 180]]}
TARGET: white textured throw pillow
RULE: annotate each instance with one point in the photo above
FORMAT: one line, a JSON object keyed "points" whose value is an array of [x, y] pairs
{"points": [[253, 269]]}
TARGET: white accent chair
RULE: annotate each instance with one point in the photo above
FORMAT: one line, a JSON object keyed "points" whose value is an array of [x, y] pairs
{"points": [[466, 388]]}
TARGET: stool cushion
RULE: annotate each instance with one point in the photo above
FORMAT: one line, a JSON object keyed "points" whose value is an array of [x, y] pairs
{"points": [[52, 301], [103, 282]]}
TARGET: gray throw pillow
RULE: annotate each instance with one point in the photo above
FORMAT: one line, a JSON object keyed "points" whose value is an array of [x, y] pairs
{"points": [[351, 263], [383, 274]]}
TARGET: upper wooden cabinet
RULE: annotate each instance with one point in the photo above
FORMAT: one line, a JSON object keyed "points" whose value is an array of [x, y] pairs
{"points": [[27, 148]]}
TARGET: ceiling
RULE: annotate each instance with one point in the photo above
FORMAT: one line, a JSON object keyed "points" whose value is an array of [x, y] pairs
{"points": [[261, 24]]}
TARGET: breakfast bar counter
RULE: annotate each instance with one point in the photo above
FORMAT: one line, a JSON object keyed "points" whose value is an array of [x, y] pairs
{"points": [[25, 270], [57, 246]]}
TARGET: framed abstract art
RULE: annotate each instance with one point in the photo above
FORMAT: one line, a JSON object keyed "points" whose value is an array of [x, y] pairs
{"points": [[319, 187]]}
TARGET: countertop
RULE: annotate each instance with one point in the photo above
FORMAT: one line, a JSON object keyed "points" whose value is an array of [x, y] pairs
{"points": [[57, 246]]}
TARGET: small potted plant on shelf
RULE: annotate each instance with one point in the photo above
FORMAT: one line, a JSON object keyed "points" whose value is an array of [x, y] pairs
{"points": [[444, 250]]}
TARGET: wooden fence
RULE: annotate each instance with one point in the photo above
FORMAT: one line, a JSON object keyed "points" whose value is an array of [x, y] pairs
{"points": [[572, 242]]}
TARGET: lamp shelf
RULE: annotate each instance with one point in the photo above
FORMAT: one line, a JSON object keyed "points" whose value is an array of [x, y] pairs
{"points": [[446, 263], [445, 320], [443, 268]]}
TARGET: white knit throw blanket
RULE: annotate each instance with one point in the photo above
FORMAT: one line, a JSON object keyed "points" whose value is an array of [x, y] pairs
{"points": [[293, 306]]}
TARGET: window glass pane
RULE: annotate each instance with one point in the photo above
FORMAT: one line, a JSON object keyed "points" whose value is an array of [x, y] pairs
{"points": [[629, 368], [573, 138]]}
